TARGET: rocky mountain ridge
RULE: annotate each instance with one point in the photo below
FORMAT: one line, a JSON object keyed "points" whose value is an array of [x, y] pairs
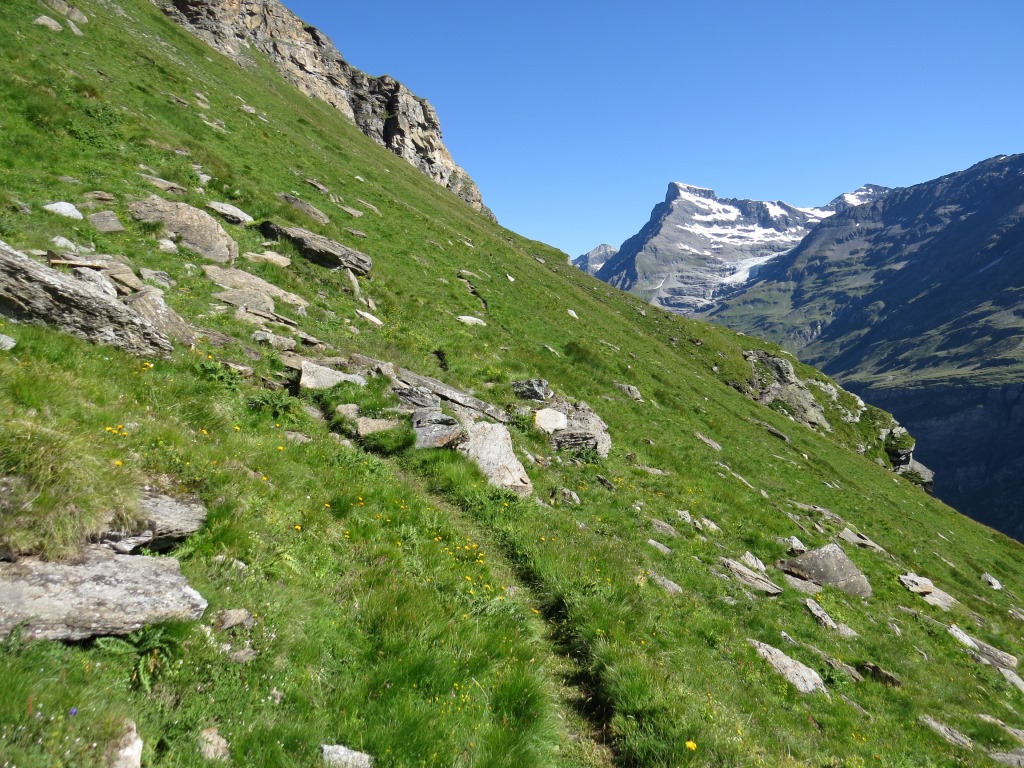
{"points": [[382, 108], [696, 245]]}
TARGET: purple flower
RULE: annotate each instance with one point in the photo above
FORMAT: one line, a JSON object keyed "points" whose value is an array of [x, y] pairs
{"points": [[73, 711]]}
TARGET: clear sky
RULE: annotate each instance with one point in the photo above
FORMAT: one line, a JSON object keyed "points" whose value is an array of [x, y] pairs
{"points": [[574, 116]]}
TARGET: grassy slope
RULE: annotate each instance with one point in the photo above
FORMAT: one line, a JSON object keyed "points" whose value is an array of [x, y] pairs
{"points": [[377, 616]]}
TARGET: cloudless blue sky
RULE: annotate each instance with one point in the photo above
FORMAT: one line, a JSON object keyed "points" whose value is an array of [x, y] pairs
{"points": [[574, 116]]}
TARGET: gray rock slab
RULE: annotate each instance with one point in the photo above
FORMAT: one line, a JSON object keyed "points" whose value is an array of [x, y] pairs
{"points": [[149, 303], [435, 429], [268, 257], [256, 302], [470, 320], [751, 578], [802, 585], [34, 293], [318, 248], [954, 737], [659, 546], [196, 230], [753, 562], [992, 581], [666, 584], [230, 213], [664, 528], [337, 756], [828, 565], [990, 654], [106, 222], [367, 426], [164, 185], [68, 210], [320, 377], [630, 391], [213, 746], [1013, 758], [157, 276], [52, 24], [104, 594], [928, 591], [166, 521], [707, 441], [549, 420], [6, 343], [859, 539], [303, 207], [273, 340], [799, 675], [232, 618], [239, 279], [566, 496], [490, 447], [1012, 678]]}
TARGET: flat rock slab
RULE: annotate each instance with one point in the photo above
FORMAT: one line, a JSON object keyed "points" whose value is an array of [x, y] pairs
{"points": [[164, 185], [150, 305], [34, 293], [239, 279], [68, 210], [666, 584], [990, 654], [320, 377], [954, 737], [828, 565], [105, 594], [470, 320], [800, 676], [928, 591], [230, 213], [106, 222], [319, 249], [337, 756], [302, 206], [196, 230], [751, 578], [860, 540], [268, 257], [549, 420], [490, 447], [51, 24], [367, 426]]}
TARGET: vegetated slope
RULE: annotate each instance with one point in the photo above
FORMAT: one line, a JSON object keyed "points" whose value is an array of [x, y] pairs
{"points": [[403, 607], [917, 302]]}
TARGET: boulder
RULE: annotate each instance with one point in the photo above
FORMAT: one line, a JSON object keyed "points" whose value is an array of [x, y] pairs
{"points": [[777, 380], [240, 280], [630, 391], [566, 496], [549, 420], [106, 222], [585, 430], [33, 293], [318, 248], [1012, 678], [490, 447], [157, 276], [992, 581], [196, 230], [800, 676], [435, 429], [302, 206], [230, 213], [68, 210], [337, 756], [103, 594], [664, 528], [532, 389], [828, 565]]}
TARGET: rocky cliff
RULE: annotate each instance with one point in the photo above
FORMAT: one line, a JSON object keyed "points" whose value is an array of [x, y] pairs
{"points": [[382, 108]]}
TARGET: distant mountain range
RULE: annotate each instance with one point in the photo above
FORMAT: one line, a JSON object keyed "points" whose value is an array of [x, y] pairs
{"points": [[913, 297], [697, 246]]}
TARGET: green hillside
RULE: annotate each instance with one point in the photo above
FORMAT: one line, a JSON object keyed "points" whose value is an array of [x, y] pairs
{"points": [[404, 607]]}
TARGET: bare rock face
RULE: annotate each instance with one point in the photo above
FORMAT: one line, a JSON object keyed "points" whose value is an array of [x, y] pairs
{"points": [[105, 594], [490, 447], [34, 293], [196, 229], [381, 107]]}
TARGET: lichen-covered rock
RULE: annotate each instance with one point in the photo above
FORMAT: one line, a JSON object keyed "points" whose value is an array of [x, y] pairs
{"points": [[34, 293], [196, 230], [103, 594]]}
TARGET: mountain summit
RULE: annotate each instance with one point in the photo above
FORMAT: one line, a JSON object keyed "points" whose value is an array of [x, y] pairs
{"points": [[697, 244]]}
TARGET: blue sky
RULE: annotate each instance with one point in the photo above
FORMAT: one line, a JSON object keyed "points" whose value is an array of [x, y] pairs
{"points": [[573, 117]]}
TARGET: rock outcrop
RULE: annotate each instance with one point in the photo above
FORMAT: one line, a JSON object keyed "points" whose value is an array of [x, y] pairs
{"points": [[381, 107], [35, 293]]}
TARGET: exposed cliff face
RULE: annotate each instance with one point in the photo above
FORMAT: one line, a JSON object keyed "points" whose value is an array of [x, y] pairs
{"points": [[382, 108]]}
